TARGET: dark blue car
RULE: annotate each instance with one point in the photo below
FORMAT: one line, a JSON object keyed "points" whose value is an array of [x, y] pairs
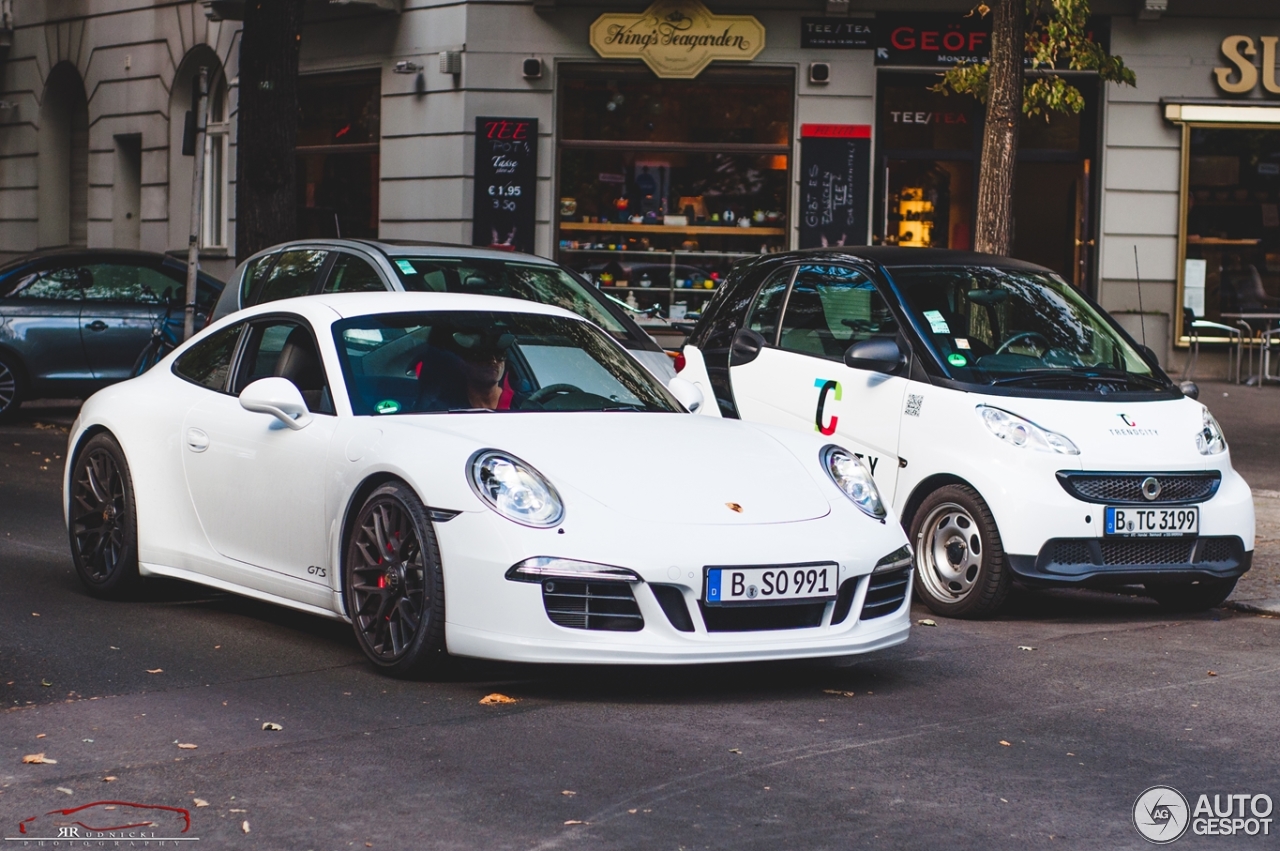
{"points": [[72, 321]]}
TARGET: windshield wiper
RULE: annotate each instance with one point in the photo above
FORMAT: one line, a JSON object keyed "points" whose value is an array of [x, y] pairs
{"points": [[1114, 372], [470, 411], [1078, 372], [625, 408]]}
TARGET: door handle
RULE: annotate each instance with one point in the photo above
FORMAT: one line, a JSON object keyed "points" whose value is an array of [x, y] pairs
{"points": [[97, 325], [197, 440]]}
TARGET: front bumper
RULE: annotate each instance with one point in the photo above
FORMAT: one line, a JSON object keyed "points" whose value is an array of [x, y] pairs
{"points": [[1100, 562]]}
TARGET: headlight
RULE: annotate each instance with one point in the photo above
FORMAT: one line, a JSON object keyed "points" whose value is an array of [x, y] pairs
{"points": [[853, 478], [1210, 439], [1024, 434], [514, 489]]}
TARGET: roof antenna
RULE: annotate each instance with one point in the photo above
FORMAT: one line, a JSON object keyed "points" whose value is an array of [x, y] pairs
{"points": [[1142, 316], [338, 228]]}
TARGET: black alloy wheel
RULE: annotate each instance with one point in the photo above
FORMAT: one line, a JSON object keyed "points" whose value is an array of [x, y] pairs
{"points": [[104, 524], [394, 584], [1198, 596], [11, 390]]}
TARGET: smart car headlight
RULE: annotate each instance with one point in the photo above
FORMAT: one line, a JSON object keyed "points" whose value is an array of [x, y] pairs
{"points": [[1210, 440], [514, 489], [1024, 434], [854, 479]]}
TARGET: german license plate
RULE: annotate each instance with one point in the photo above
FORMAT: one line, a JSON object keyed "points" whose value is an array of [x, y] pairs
{"points": [[1152, 522], [756, 586]]}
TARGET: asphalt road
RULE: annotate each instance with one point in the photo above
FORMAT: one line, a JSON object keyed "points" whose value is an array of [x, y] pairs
{"points": [[1037, 729]]}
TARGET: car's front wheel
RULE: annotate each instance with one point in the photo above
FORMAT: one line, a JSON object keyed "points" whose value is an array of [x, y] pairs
{"points": [[395, 585], [11, 388], [1192, 596], [104, 522], [961, 571]]}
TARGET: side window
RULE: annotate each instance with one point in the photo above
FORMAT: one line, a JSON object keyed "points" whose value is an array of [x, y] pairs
{"points": [[831, 308], [351, 274], [284, 348], [56, 284], [763, 318], [293, 275], [130, 284], [208, 363], [253, 274]]}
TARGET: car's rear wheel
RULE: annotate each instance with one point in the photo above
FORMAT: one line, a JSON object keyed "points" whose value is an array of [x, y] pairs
{"points": [[12, 390], [395, 585], [1192, 596], [104, 523], [961, 570]]}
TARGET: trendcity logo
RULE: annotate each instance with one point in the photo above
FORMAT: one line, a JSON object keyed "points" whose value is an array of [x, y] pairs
{"points": [[1162, 814], [1131, 429], [825, 386], [1127, 421]]}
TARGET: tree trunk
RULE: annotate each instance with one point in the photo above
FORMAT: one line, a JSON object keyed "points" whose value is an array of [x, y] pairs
{"points": [[267, 125], [994, 231]]}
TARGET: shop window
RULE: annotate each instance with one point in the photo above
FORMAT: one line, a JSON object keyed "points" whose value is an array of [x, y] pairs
{"points": [[339, 131], [1231, 262], [663, 184]]}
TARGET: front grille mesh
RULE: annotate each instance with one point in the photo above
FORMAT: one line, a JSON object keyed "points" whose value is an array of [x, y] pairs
{"points": [[760, 618], [885, 593], [592, 605], [1135, 552], [1171, 551], [1126, 489]]}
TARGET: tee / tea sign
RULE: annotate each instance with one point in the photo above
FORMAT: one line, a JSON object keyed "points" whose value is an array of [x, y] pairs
{"points": [[506, 183], [835, 168]]}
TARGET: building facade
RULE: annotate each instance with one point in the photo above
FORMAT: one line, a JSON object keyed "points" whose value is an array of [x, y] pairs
{"points": [[650, 144]]}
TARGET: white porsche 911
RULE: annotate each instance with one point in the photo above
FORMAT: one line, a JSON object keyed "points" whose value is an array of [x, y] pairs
{"points": [[481, 477]]}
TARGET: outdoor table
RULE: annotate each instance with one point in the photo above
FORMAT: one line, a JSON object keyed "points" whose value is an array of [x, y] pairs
{"points": [[1266, 317]]}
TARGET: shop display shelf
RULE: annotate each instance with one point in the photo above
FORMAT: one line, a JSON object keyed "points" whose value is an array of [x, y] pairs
{"points": [[697, 230]]}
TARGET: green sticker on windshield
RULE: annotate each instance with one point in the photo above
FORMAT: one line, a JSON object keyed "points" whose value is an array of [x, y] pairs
{"points": [[406, 267], [387, 406], [957, 359]]}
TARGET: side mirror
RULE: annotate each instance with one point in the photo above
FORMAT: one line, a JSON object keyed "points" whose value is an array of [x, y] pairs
{"points": [[686, 393], [880, 354], [1190, 389], [746, 345], [278, 397]]}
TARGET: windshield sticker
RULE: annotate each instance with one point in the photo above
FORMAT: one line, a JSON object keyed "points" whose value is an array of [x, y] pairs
{"points": [[406, 267], [913, 405], [387, 406], [962, 343], [825, 386], [957, 359], [936, 323]]}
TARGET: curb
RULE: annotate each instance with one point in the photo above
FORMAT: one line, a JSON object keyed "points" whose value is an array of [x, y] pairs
{"points": [[1266, 607]]}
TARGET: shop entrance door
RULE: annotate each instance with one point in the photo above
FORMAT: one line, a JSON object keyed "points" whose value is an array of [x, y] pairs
{"points": [[1050, 217]]}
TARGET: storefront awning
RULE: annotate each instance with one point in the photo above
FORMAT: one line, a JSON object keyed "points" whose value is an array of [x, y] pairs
{"points": [[1221, 113]]}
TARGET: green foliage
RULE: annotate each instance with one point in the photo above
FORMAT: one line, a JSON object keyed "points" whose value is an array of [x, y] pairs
{"points": [[1057, 39]]}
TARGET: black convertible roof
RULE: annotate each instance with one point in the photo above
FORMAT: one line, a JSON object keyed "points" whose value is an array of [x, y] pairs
{"points": [[893, 256]]}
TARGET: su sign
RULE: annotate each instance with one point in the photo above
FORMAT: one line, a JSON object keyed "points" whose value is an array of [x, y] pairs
{"points": [[1237, 49]]}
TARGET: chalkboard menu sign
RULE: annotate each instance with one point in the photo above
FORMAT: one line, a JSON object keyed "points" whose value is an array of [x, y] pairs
{"points": [[835, 175], [506, 183]]}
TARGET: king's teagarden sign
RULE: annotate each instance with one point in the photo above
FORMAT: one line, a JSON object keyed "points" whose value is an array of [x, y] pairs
{"points": [[677, 38]]}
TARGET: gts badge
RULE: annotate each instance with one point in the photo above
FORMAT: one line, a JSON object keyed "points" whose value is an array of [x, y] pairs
{"points": [[317, 571], [825, 386]]}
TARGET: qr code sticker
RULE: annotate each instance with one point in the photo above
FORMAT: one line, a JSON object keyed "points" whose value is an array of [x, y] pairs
{"points": [[913, 405]]}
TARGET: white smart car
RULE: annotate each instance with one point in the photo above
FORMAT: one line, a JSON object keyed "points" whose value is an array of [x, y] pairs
{"points": [[1017, 430], [478, 476]]}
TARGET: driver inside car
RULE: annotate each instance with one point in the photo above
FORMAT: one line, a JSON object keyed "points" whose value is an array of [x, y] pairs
{"points": [[466, 370]]}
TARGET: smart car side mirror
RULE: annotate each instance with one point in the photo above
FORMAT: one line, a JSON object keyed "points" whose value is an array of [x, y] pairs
{"points": [[687, 393], [1190, 389], [746, 345], [278, 397], [880, 354]]}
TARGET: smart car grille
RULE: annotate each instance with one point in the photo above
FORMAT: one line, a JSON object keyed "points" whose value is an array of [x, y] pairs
{"points": [[1144, 552], [592, 605], [1219, 550], [885, 593], [1126, 489], [759, 618]]}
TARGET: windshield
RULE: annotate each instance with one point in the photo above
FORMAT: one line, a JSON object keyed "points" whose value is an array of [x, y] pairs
{"points": [[998, 326], [528, 281], [482, 361]]}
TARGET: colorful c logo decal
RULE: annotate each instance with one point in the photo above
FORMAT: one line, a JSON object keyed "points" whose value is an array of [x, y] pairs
{"points": [[826, 387]]}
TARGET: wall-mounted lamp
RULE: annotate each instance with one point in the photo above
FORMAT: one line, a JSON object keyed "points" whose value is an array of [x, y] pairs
{"points": [[532, 68], [819, 73], [451, 62], [404, 66]]}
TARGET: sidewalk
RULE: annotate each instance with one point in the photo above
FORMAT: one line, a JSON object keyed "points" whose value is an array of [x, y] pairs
{"points": [[1250, 416]]}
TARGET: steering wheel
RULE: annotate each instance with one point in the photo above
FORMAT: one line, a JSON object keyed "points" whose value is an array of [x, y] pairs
{"points": [[544, 393], [1025, 335]]}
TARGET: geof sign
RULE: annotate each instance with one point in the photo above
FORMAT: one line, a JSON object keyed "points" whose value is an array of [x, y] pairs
{"points": [[945, 39], [506, 182], [1237, 48], [677, 38], [835, 184]]}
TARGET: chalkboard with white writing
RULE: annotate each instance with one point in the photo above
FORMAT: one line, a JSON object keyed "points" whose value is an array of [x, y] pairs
{"points": [[835, 178], [506, 183]]}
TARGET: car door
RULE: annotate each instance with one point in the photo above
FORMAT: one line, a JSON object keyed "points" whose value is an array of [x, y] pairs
{"points": [[121, 307], [41, 322], [258, 486], [798, 378]]}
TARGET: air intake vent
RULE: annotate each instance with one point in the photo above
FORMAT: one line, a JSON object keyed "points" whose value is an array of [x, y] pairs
{"points": [[760, 618], [592, 605], [885, 593]]}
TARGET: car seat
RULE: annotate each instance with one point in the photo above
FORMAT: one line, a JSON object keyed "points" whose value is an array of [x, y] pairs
{"points": [[299, 362]]}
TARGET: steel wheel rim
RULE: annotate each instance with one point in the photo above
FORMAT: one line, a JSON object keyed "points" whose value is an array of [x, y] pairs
{"points": [[8, 387], [949, 552], [387, 575], [99, 523]]}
